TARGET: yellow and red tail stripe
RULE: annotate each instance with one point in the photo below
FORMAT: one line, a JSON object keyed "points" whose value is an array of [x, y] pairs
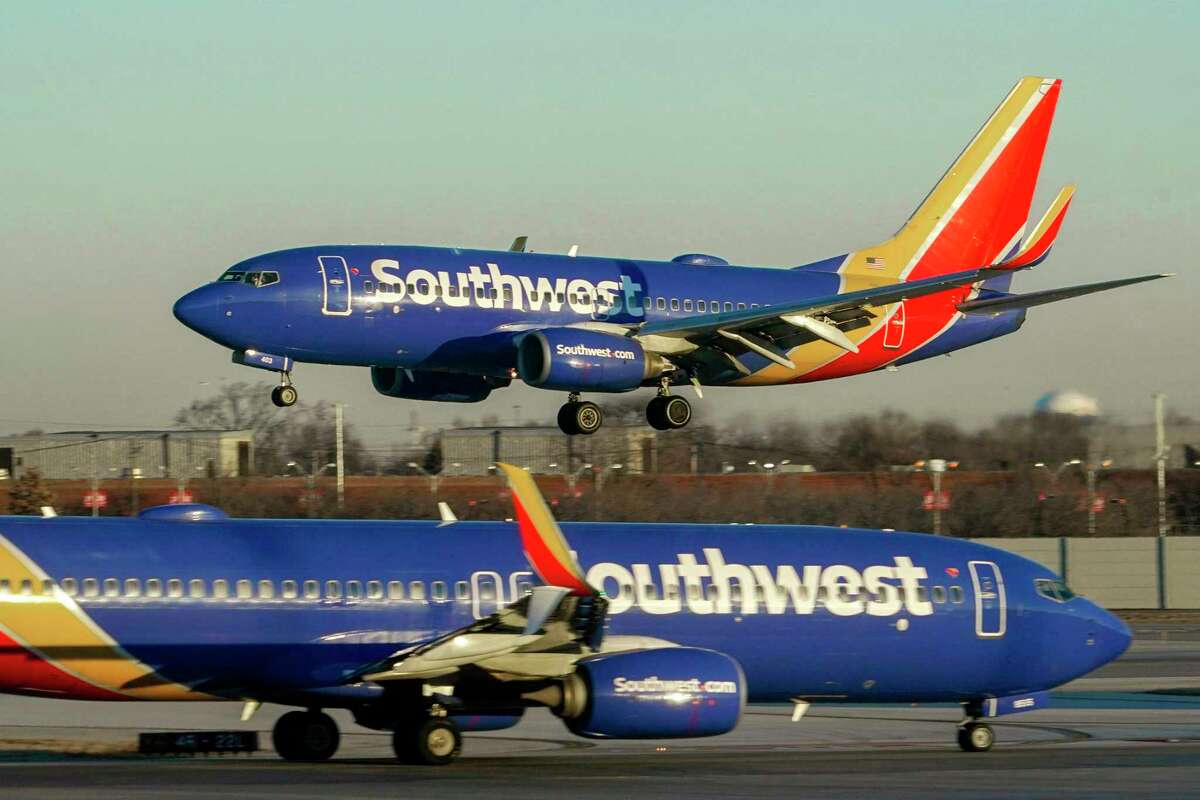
{"points": [[543, 541], [67, 650]]}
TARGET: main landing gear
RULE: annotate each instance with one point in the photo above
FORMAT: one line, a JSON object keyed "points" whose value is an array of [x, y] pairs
{"points": [[976, 737], [435, 741], [668, 411], [305, 736], [579, 417], [285, 395]]}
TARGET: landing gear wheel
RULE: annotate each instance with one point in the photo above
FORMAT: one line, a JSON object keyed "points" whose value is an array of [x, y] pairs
{"points": [[305, 736], [976, 737], [580, 418], [284, 396], [434, 741], [667, 412]]}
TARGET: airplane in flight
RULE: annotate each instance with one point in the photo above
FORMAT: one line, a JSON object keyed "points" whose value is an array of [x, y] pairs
{"points": [[452, 325], [429, 629]]}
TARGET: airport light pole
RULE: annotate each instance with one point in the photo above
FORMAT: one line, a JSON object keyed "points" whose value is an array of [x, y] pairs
{"points": [[601, 474], [1160, 461], [1091, 470], [936, 467], [339, 460]]}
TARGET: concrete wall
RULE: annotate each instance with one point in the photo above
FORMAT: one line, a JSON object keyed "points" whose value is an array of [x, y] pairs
{"points": [[1120, 572], [1181, 565]]}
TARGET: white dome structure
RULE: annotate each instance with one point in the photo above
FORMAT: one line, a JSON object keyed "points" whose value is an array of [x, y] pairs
{"points": [[1068, 401]]}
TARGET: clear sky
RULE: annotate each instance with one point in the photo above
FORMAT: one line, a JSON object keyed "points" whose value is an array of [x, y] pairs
{"points": [[146, 146]]}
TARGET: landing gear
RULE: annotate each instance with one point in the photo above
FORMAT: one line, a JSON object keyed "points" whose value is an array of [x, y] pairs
{"points": [[435, 741], [577, 417], [305, 736], [667, 411], [976, 737], [284, 395]]}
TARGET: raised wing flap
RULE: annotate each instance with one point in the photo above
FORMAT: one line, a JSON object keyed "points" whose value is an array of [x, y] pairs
{"points": [[708, 324]]}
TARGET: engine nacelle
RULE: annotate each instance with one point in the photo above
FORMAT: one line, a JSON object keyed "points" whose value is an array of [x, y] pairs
{"points": [[444, 387], [663, 693], [576, 359]]}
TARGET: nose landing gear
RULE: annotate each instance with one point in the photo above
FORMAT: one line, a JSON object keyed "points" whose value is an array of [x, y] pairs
{"points": [[284, 395]]}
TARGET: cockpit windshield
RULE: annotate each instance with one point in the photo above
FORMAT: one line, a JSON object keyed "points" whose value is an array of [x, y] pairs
{"points": [[232, 276], [1053, 589], [257, 278]]}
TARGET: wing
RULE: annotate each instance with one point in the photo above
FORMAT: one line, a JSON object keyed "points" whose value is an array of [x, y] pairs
{"points": [[769, 331], [540, 635]]}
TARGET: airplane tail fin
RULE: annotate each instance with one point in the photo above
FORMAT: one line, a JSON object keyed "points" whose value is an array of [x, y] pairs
{"points": [[976, 214]]}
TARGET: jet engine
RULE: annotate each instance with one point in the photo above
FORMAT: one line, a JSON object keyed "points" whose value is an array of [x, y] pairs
{"points": [[661, 693], [444, 387], [577, 359]]}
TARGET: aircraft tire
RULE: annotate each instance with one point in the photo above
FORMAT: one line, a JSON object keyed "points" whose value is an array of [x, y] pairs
{"points": [[434, 742], [976, 737], [655, 415], [305, 736], [586, 417], [284, 396], [566, 419], [667, 412]]}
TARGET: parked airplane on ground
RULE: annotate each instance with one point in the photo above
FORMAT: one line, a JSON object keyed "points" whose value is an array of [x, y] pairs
{"points": [[427, 628], [452, 325]]}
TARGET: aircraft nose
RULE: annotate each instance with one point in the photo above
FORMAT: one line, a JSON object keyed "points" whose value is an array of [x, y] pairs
{"points": [[198, 309], [1111, 636]]}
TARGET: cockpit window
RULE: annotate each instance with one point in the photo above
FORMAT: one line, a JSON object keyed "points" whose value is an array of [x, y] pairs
{"points": [[232, 276], [1053, 589], [261, 279]]}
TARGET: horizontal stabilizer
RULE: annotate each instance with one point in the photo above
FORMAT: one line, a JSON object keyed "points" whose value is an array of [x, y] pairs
{"points": [[1037, 246], [993, 305]]}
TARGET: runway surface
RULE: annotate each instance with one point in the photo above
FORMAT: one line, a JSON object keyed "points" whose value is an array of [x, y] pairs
{"points": [[1115, 742]]}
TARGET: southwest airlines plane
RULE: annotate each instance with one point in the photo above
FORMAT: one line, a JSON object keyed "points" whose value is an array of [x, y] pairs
{"points": [[427, 629], [451, 325]]}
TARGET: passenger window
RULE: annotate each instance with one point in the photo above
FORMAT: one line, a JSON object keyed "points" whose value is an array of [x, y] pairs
{"points": [[741, 307], [461, 590], [69, 587], [437, 591], [374, 590], [710, 592], [674, 304], [956, 594], [333, 590], [196, 589], [6, 587], [153, 587], [453, 291], [368, 287], [729, 306], [646, 302], [561, 297], [395, 590], [487, 591], [354, 590], [133, 587], [661, 303], [266, 590], [291, 590], [220, 589], [312, 590], [693, 592], [687, 305], [524, 588], [922, 594], [91, 587], [412, 288], [701, 306], [416, 590], [245, 589], [754, 305], [939, 594], [112, 587], [174, 588]]}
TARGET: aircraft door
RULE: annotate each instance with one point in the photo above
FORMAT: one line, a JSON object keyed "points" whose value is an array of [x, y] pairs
{"points": [[487, 593], [336, 279], [893, 334], [991, 609]]}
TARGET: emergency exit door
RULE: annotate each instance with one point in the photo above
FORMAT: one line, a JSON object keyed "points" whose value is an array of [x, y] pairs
{"points": [[990, 606]]}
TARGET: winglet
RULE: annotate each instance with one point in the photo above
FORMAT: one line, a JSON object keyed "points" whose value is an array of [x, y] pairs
{"points": [[518, 245], [541, 538], [1037, 246]]}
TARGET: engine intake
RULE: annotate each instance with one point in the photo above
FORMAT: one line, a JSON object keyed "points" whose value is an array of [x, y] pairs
{"points": [[575, 359], [662, 693], [444, 387]]}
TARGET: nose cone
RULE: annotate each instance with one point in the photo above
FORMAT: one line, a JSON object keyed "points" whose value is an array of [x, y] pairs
{"points": [[198, 309], [1112, 636]]}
